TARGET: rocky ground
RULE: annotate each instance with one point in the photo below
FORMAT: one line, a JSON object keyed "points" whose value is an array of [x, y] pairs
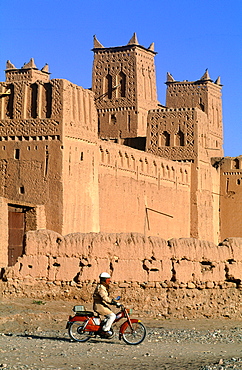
{"points": [[33, 336]]}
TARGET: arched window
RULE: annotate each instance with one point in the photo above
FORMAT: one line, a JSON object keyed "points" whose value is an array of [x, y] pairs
{"points": [[9, 98], [141, 165], [121, 159], [163, 171], [133, 162], [155, 167], [121, 82], [102, 154], [235, 163], [127, 159], [173, 173], [48, 98], [168, 171], [113, 119], [164, 139], [34, 94], [108, 86], [146, 165], [180, 138], [201, 104], [186, 176], [108, 156]]}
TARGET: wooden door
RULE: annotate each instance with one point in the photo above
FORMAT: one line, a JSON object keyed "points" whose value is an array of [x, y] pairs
{"points": [[15, 235]]}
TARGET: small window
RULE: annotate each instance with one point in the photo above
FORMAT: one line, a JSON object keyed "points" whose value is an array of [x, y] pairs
{"points": [[109, 86], [21, 190], [81, 156], [113, 119], [180, 138], [164, 139], [121, 84], [34, 98], [235, 164], [17, 154]]}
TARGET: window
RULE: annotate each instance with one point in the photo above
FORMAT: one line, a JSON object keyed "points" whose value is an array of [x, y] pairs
{"points": [[164, 139], [180, 138], [16, 153], [48, 97], [113, 119], [109, 86], [21, 190], [34, 93], [235, 163], [9, 112], [121, 84]]}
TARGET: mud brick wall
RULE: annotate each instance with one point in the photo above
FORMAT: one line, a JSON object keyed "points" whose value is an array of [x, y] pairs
{"points": [[178, 278], [128, 257]]}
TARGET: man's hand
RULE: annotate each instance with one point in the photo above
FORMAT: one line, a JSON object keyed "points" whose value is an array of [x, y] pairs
{"points": [[115, 303]]}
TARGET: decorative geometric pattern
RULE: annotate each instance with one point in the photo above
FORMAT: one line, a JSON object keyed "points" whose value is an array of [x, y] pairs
{"points": [[171, 121], [30, 127], [110, 63]]}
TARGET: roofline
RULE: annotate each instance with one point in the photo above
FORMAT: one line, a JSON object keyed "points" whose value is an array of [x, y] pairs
{"points": [[125, 47]]}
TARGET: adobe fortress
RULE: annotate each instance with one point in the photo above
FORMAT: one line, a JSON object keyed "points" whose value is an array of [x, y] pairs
{"points": [[112, 159]]}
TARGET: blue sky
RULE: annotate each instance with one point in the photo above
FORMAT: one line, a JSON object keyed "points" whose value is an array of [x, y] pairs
{"points": [[189, 37]]}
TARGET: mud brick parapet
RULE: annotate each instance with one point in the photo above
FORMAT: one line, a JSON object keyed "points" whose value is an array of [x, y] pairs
{"points": [[130, 257], [175, 278]]}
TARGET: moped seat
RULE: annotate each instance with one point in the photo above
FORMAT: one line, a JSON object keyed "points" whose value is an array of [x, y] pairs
{"points": [[85, 313]]}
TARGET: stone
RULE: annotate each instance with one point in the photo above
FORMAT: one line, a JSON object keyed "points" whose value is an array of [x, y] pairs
{"points": [[124, 285], [191, 285], [209, 285]]}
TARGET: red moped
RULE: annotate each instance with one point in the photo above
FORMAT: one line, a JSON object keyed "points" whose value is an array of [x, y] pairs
{"points": [[85, 325]]}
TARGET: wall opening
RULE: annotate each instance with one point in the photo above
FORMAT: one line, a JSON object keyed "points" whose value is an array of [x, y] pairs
{"points": [[235, 164], [180, 138], [16, 153], [21, 190], [34, 93], [48, 99], [9, 112], [109, 86], [113, 119], [201, 105], [121, 84], [164, 139], [20, 220]]}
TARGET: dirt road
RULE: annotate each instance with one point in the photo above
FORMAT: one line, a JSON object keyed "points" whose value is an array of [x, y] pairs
{"points": [[33, 336]]}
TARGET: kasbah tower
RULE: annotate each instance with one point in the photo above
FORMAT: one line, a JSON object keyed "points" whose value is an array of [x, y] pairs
{"points": [[111, 158]]}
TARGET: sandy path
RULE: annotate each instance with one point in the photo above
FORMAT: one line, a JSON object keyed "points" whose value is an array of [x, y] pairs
{"points": [[33, 336]]}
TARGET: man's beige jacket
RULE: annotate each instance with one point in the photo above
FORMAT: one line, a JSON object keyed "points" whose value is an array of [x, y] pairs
{"points": [[100, 300]]}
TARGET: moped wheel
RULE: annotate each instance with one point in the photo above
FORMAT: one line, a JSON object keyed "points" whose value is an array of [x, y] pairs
{"points": [[76, 332], [136, 335]]}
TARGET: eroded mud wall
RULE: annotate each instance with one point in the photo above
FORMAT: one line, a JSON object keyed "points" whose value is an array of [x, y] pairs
{"points": [[175, 278], [128, 257]]}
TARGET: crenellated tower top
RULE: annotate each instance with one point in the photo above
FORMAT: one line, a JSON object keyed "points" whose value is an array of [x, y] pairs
{"points": [[124, 84], [29, 72]]}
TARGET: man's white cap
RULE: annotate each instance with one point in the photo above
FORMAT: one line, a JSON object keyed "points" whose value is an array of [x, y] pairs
{"points": [[104, 275]]}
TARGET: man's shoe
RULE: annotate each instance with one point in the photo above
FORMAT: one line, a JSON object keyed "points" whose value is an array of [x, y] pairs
{"points": [[106, 334], [109, 333]]}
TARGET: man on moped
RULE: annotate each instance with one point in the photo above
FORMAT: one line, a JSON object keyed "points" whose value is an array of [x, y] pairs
{"points": [[101, 300]]}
